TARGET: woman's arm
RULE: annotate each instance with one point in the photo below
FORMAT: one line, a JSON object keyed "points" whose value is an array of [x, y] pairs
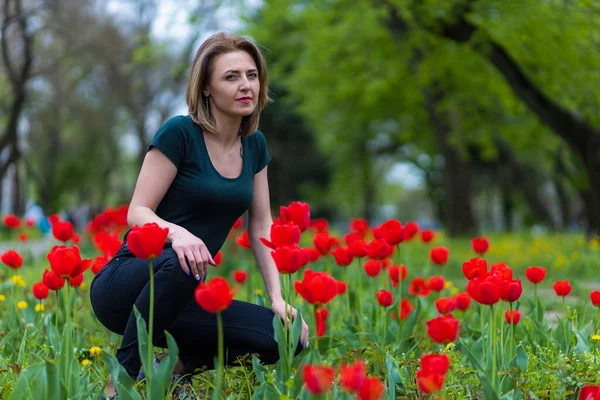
{"points": [[155, 178], [259, 225]]}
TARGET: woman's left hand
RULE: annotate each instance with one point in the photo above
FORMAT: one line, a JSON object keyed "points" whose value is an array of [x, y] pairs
{"points": [[279, 308]]}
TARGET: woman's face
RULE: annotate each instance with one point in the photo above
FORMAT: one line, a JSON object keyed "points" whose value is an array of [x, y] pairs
{"points": [[234, 85]]}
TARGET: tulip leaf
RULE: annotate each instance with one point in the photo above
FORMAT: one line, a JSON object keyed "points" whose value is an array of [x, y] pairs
{"points": [[411, 321], [393, 375], [40, 381], [521, 359], [582, 344], [284, 358], [298, 381], [296, 332], [514, 394], [142, 334], [266, 391], [122, 381], [488, 391], [464, 347], [162, 376], [327, 342], [259, 369]]}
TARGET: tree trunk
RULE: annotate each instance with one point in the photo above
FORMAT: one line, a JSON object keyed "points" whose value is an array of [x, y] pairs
{"points": [[459, 219], [582, 137]]}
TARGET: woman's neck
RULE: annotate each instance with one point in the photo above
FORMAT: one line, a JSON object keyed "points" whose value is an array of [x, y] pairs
{"points": [[228, 128]]}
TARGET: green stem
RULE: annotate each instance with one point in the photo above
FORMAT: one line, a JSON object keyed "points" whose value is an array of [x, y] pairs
{"points": [[288, 312], [347, 291], [68, 332], [512, 333], [536, 302], [399, 308], [502, 336], [150, 326], [221, 366], [493, 343], [567, 341]]}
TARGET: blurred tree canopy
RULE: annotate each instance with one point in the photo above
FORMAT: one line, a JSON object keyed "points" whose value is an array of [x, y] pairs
{"points": [[494, 103], [477, 82]]}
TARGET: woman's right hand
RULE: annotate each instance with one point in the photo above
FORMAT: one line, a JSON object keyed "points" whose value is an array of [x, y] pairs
{"points": [[192, 248]]}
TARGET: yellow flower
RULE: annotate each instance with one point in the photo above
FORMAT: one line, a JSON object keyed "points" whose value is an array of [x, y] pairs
{"points": [[448, 285], [22, 304], [2, 298], [448, 346], [596, 337], [39, 307], [259, 292], [454, 291], [83, 286], [15, 278], [85, 362], [95, 351]]}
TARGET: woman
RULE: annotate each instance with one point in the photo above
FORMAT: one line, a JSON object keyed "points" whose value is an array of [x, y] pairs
{"points": [[201, 173]]}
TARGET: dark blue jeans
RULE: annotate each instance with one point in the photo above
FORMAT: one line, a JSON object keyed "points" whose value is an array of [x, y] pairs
{"points": [[124, 282]]}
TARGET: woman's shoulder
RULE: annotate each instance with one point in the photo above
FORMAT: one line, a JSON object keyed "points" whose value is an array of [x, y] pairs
{"points": [[179, 122], [257, 139]]}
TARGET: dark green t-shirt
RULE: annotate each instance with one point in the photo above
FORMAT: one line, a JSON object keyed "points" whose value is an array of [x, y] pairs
{"points": [[200, 199]]}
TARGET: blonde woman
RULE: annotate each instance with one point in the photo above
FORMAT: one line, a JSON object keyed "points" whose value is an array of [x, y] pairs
{"points": [[202, 171]]}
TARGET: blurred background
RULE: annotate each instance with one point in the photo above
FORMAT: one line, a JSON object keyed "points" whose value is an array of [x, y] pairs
{"points": [[466, 116]]}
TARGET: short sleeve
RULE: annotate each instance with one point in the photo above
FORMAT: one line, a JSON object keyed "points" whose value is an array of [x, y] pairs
{"points": [[263, 158], [170, 140]]}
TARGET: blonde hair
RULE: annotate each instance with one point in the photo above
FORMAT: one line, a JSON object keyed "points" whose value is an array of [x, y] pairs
{"points": [[202, 69]]}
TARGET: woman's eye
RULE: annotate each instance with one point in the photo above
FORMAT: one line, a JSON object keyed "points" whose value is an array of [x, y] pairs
{"points": [[230, 77], [253, 75]]}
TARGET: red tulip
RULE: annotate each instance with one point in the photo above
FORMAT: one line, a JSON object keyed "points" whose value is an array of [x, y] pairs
{"points": [[324, 242], [23, 237], [298, 213], [107, 243], [238, 223], [438, 363], [289, 259], [218, 258], [371, 389], [360, 226], [397, 273], [511, 290], [485, 290], [427, 235], [358, 248], [480, 245], [52, 280], [243, 240], [378, 249], [313, 253], [418, 287], [215, 296], [443, 329], [147, 242], [342, 256], [513, 317], [445, 305], [353, 376], [385, 298], [439, 255], [63, 230], [502, 269], [342, 287], [392, 232], [410, 230], [319, 224], [66, 262], [562, 288], [436, 283], [54, 218], [430, 382], [317, 378], [76, 281], [595, 297], [474, 268], [12, 259], [590, 392], [463, 301], [406, 308], [320, 316], [240, 276], [30, 222], [11, 221], [372, 267], [317, 288], [283, 235], [535, 274], [39, 290]]}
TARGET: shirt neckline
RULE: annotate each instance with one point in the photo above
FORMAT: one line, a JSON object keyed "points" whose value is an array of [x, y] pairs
{"points": [[245, 155]]}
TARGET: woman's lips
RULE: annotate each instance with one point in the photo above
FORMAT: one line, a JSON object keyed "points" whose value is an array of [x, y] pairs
{"points": [[245, 100]]}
